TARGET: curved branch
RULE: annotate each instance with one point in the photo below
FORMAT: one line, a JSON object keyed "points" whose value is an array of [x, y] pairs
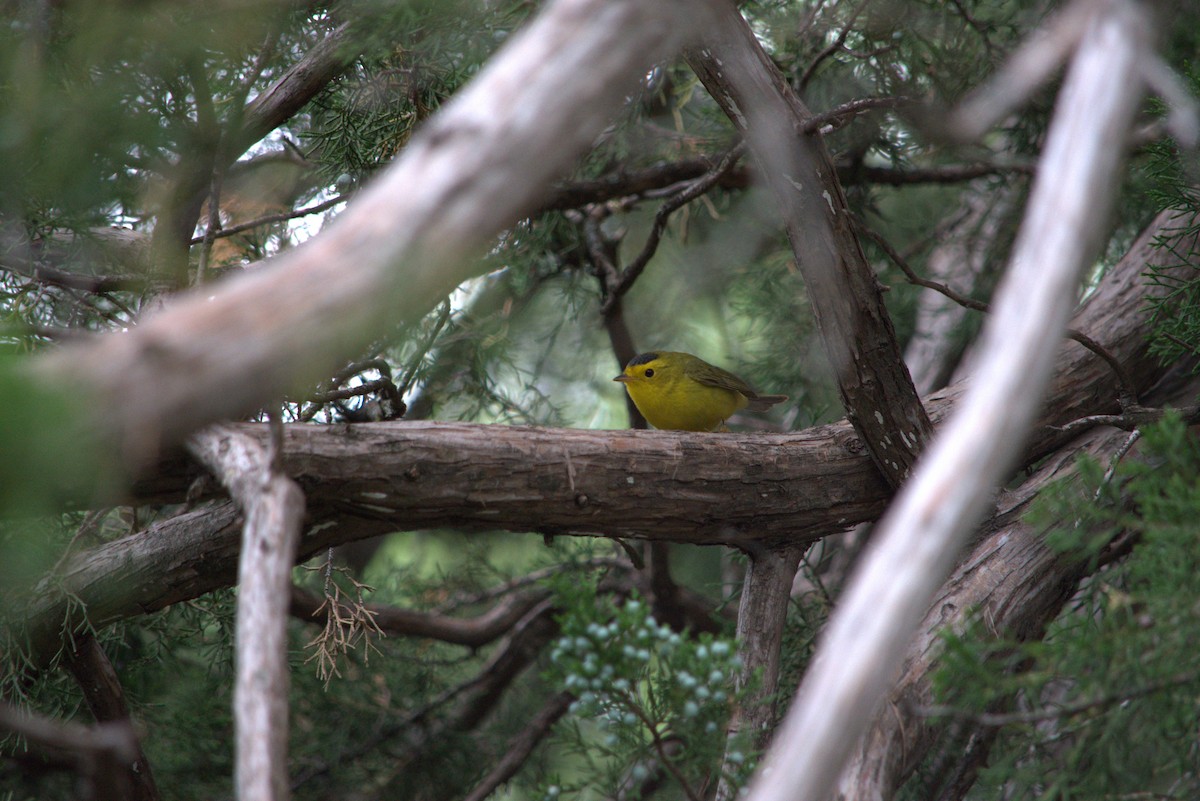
{"points": [[395, 621], [398, 249]]}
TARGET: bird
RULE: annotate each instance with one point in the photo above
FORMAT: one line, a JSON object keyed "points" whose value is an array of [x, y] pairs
{"points": [[677, 391]]}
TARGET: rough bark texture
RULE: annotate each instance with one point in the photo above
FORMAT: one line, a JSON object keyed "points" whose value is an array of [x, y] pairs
{"points": [[762, 617], [916, 545], [406, 475], [876, 390], [1012, 580], [417, 473]]}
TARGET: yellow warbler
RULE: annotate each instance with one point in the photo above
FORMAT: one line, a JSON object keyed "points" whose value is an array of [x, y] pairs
{"points": [[681, 392]]}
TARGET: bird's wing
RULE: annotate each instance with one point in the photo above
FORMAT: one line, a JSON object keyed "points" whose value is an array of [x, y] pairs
{"points": [[713, 376]]}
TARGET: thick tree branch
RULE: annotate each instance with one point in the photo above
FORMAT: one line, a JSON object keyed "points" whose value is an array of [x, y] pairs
{"points": [[917, 543], [365, 480], [399, 249], [873, 382]]}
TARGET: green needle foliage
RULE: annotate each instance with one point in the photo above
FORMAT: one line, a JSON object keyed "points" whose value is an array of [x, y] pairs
{"points": [[1106, 706], [649, 703]]}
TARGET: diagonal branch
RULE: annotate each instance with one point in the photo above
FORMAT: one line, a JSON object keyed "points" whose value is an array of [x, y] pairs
{"points": [[97, 678], [399, 249], [1013, 580], [522, 746], [693, 190], [856, 330], [917, 543]]}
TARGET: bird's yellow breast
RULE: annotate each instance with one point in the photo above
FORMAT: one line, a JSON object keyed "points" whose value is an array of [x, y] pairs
{"points": [[683, 404]]}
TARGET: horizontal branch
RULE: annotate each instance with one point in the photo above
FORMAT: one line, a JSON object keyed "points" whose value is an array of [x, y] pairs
{"points": [[370, 479], [733, 489]]}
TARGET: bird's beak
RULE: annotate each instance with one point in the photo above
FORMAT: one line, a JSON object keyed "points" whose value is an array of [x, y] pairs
{"points": [[624, 379]]}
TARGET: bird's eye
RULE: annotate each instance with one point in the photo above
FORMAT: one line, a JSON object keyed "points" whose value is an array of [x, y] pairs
{"points": [[649, 372]]}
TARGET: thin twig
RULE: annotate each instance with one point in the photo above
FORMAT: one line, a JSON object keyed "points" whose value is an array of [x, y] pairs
{"points": [[660, 745], [270, 219], [837, 117], [365, 388], [415, 362], [1120, 453], [833, 47], [1128, 419], [1127, 395], [690, 192], [994, 720], [911, 274]]}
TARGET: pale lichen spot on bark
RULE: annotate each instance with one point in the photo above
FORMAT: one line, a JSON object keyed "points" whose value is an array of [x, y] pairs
{"points": [[829, 199], [375, 496], [878, 417]]}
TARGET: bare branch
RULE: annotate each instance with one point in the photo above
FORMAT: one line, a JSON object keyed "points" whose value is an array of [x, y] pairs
{"points": [[938, 174], [398, 250], [693, 190], [860, 343], [762, 616], [273, 508], [101, 688], [269, 219], [833, 47], [829, 121], [919, 540], [1127, 391], [394, 621]]}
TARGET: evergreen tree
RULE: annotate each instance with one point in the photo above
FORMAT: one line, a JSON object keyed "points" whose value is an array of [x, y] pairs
{"points": [[406, 247]]}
